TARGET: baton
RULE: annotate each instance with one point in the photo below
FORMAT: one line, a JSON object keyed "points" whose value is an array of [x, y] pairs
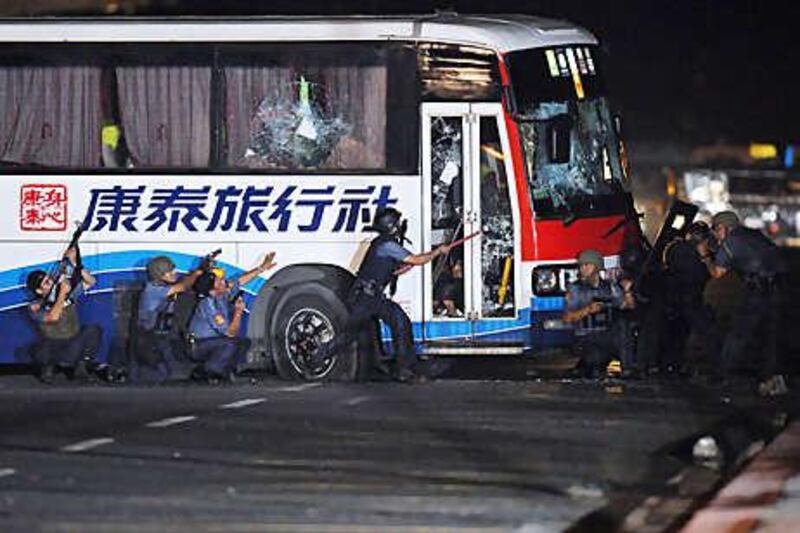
{"points": [[462, 240], [406, 267]]}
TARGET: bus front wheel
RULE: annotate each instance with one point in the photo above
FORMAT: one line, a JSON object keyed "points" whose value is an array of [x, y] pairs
{"points": [[307, 316]]}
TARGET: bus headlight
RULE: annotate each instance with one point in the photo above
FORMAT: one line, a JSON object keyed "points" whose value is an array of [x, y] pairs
{"points": [[545, 280]]}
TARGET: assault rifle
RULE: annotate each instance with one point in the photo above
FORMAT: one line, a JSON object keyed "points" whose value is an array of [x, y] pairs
{"points": [[59, 269]]}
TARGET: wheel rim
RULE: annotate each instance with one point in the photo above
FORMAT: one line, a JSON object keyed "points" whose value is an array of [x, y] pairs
{"points": [[306, 330]]}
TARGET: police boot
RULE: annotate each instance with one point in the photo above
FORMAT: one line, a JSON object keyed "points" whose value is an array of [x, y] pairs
{"points": [[199, 374], [102, 371], [406, 375], [81, 372], [47, 374]]}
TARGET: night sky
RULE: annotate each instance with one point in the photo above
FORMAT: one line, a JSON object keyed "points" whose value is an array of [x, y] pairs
{"points": [[686, 71]]}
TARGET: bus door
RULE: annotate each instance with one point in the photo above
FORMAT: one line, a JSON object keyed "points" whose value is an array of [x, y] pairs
{"points": [[470, 296]]}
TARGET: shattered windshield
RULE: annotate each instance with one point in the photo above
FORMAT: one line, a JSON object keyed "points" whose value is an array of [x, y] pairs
{"points": [[571, 145]]}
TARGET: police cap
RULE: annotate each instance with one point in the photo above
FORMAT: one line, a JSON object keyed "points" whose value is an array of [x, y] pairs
{"points": [[729, 219], [158, 266], [590, 257], [34, 279]]}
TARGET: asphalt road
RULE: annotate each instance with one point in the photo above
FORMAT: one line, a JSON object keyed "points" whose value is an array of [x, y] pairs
{"points": [[269, 456]]}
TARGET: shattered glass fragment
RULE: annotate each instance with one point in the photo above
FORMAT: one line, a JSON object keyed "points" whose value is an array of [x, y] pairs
{"points": [[497, 245], [293, 135], [446, 172]]}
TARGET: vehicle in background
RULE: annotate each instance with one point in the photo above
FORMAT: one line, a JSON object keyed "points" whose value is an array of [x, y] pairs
{"points": [[760, 182]]}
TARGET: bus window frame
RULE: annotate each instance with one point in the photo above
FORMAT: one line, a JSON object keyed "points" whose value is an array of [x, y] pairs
{"points": [[104, 55]]}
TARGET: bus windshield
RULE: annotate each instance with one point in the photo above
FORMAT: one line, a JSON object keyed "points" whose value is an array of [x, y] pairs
{"points": [[571, 145]]}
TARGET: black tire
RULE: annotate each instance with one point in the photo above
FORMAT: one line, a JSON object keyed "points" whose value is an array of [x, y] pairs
{"points": [[311, 307]]}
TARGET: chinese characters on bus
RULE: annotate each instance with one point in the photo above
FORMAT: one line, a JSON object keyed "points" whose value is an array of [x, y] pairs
{"points": [[43, 208], [235, 208]]}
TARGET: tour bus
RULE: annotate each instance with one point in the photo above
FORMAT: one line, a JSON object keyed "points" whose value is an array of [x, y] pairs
{"points": [[180, 136]]}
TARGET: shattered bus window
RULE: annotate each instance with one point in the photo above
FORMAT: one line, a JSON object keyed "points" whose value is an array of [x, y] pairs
{"points": [[497, 227], [447, 223], [297, 134], [592, 163], [572, 148], [447, 178], [310, 107]]}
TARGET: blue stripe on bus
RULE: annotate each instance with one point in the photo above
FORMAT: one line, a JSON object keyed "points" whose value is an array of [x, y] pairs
{"points": [[128, 265], [547, 303]]}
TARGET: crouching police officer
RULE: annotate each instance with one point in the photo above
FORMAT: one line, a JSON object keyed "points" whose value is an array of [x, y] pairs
{"points": [[757, 261], [590, 305], [63, 342], [215, 327], [159, 347], [367, 300], [688, 316]]}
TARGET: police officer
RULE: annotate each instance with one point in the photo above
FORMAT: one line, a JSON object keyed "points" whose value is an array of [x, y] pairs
{"points": [[757, 261], [158, 346], [215, 326], [367, 299], [590, 305], [687, 313], [63, 342]]}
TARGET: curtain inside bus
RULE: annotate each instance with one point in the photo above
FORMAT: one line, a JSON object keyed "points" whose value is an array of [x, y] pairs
{"points": [[165, 114], [50, 116]]}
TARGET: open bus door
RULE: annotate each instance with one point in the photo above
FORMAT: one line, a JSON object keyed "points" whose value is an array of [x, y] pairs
{"points": [[471, 297]]}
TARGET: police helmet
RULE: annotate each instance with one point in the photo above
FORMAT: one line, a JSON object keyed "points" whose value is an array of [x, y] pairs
{"points": [[590, 257], [158, 266], [386, 221], [729, 219], [699, 232], [34, 280]]}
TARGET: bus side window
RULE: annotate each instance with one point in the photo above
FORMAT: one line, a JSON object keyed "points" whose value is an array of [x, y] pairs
{"points": [[308, 107], [164, 112], [50, 115]]}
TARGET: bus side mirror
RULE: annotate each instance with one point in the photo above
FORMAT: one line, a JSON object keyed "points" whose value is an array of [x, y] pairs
{"points": [[618, 125], [559, 144]]}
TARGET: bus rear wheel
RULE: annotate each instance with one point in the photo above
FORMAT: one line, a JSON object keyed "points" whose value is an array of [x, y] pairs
{"points": [[306, 317]]}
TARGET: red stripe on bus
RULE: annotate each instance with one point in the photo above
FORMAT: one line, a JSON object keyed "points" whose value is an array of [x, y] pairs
{"points": [[565, 242], [520, 178], [549, 239]]}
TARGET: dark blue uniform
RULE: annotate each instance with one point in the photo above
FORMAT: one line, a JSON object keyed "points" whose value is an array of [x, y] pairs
{"points": [[64, 343], [158, 348], [758, 262], [368, 302], [219, 353], [686, 311], [601, 336]]}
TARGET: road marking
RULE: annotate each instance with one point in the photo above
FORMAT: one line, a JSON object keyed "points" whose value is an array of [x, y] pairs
{"points": [[355, 401], [298, 388], [170, 421], [5, 472], [84, 445], [243, 403], [585, 491]]}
